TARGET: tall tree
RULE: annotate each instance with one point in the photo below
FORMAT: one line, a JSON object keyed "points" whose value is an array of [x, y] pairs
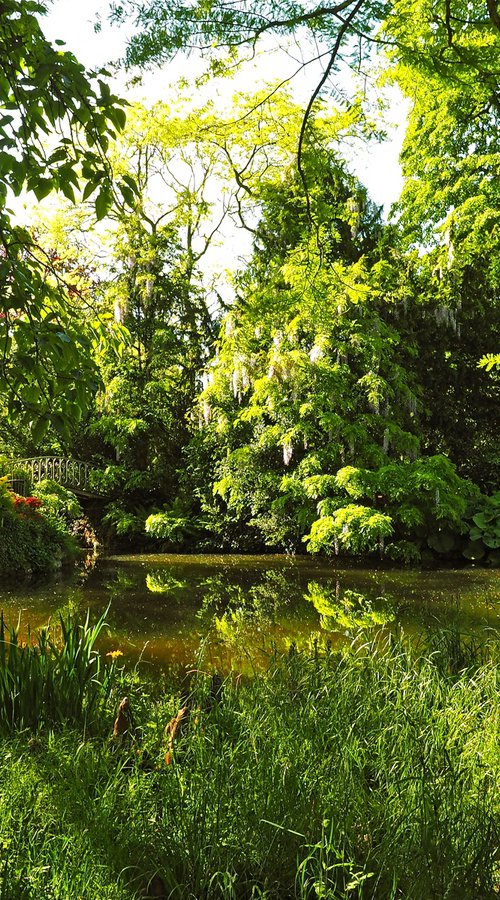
{"points": [[55, 126], [448, 67], [311, 413]]}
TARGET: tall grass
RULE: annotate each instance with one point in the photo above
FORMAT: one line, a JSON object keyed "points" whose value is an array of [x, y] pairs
{"points": [[370, 774], [56, 676]]}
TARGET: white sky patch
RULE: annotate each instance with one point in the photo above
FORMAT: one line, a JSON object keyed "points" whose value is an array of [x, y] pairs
{"points": [[73, 22]]}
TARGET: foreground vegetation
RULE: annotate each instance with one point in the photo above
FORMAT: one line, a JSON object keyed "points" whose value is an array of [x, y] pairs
{"points": [[372, 773]]}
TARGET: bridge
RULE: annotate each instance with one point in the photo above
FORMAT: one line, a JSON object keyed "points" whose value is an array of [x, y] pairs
{"points": [[72, 474]]}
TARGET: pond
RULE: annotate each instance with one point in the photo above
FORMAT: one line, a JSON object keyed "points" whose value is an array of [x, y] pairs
{"points": [[234, 611]]}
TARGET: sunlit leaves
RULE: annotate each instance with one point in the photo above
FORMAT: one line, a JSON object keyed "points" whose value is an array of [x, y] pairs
{"points": [[490, 361], [54, 133], [353, 528]]}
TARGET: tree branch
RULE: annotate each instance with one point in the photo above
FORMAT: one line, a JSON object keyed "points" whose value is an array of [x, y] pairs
{"points": [[314, 96]]}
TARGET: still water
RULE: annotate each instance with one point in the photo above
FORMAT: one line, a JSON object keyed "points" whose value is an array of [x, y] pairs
{"points": [[232, 611]]}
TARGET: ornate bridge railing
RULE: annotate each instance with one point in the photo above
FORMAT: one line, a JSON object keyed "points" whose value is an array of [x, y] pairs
{"points": [[70, 473]]}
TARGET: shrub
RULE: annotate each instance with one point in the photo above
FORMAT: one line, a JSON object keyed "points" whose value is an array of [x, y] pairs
{"points": [[483, 523], [27, 504], [412, 505], [7, 498], [30, 543], [57, 500]]}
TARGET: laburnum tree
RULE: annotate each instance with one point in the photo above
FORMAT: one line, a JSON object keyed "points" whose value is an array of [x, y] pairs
{"points": [[56, 122]]}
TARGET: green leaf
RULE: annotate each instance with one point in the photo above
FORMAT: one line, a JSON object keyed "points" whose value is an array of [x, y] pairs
{"points": [[482, 520], [42, 188], [103, 203], [30, 393], [60, 424], [39, 428], [128, 195], [491, 540], [67, 190], [132, 183], [119, 118], [89, 189]]}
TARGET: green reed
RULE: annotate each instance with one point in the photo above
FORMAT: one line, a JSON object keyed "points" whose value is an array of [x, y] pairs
{"points": [[373, 773], [55, 676]]}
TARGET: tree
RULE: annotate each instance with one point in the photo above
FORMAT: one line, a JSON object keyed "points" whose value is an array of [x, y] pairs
{"points": [[444, 36], [193, 171], [450, 210], [152, 282], [55, 126], [311, 412]]}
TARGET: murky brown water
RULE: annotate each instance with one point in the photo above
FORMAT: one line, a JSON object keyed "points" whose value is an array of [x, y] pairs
{"points": [[236, 609]]}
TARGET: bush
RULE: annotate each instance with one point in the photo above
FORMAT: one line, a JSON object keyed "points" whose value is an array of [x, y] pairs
{"points": [[7, 498], [34, 531], [33, 544], [413, 506], [174, 525], [26, 504], [57, 501], [483, 522]]}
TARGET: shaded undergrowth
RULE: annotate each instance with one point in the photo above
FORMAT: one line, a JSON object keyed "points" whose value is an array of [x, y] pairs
{"points": [[368, 774]]}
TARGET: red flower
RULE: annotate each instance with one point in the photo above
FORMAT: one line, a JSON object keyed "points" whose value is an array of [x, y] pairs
{"points": [[33, 502], [27, 504]]}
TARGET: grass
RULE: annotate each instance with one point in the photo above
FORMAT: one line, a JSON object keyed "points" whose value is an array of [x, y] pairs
{"points": [[56, 677], [370, 774]]}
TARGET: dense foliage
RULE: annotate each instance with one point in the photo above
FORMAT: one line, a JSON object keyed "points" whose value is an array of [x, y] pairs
{"points": [[338, 393], [55, 128], [34, 533]]}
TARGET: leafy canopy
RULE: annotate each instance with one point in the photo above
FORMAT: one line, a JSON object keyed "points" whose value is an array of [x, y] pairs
{"points": [[56, 122]]}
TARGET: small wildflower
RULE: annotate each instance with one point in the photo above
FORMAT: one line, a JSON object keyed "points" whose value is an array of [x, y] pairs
{"points": [[114, 654]]}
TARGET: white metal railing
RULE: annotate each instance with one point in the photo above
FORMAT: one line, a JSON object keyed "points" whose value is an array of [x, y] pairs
{"points": [[71, 473]]}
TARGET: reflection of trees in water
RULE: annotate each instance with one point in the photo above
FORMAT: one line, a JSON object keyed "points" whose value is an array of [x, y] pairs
{"points": [[242, 618], [347, 609], [259, 603], [122, 580], [245, 612], [161, 582]]}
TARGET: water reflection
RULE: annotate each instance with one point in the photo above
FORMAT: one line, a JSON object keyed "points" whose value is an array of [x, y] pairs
{"points": [[346, 609], [159, 582], [234, 608]]}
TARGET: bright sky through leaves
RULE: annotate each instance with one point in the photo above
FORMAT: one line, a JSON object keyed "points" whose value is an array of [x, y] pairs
{"points": [[376, 165]]}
